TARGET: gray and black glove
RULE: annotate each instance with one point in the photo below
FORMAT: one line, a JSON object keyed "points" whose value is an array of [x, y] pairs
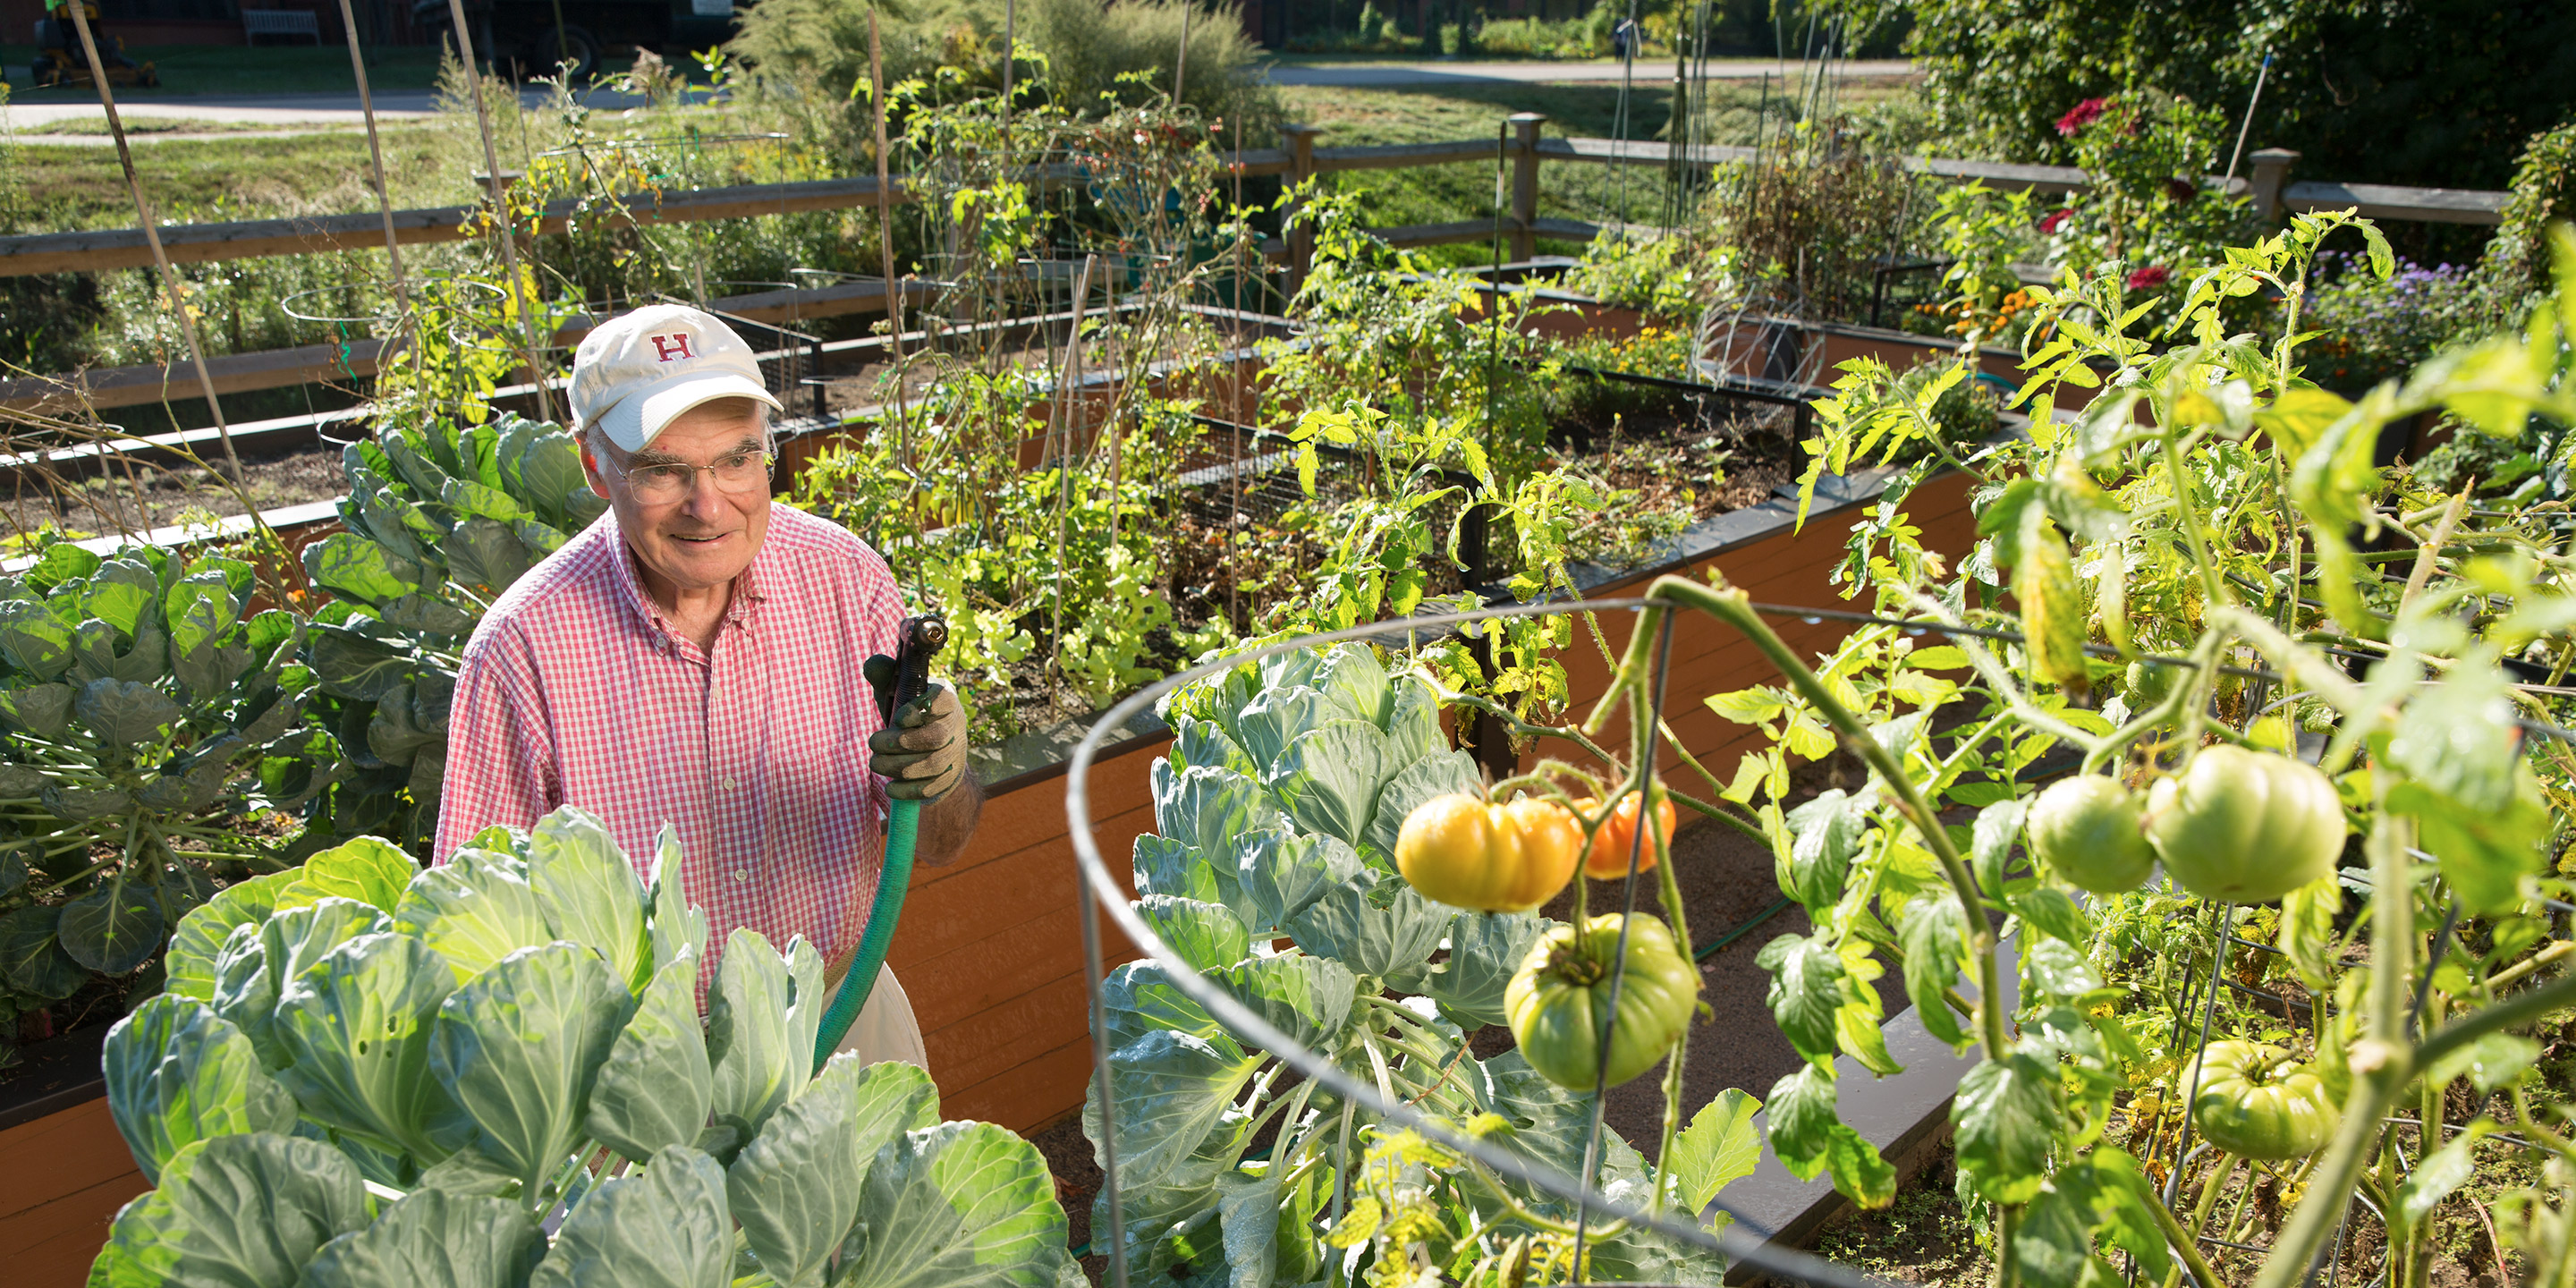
{"points": [[921, 753]]}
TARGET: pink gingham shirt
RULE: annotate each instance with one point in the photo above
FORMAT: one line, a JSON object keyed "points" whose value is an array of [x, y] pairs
{"points": [[575, 690]]}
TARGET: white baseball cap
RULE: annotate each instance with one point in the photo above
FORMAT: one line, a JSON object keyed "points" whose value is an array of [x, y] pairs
{"points": [[634, 374]]}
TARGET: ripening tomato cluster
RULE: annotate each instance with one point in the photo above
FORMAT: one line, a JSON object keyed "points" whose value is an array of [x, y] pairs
{"points": [[1591, 1006]]}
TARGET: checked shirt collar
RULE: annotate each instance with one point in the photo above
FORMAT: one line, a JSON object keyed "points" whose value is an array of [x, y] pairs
{"points": [[742, 607]]}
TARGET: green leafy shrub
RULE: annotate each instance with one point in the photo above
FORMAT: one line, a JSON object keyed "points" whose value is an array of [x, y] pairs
{"points": [[441, 519], [1276, 815], [1077, 54], [2423, 93], [366, 1075], [135, 690]]}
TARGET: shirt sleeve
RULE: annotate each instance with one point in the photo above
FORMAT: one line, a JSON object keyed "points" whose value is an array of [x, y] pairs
{"points": [[500, 747]]}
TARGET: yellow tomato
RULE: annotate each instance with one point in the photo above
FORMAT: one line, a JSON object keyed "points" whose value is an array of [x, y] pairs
{"points": [[1460, 851]]}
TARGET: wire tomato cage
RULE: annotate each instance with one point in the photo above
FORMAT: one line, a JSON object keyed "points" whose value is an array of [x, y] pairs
{"points": [[1098, 885], [1743, 1240]]}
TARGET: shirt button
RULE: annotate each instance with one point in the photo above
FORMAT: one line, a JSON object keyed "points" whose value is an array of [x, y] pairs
{"points": [[742, 874], [728, 784]]}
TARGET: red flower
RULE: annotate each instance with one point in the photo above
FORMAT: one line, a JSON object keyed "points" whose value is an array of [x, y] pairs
{"points": [[2056, 219], [2151, 278], [2181, 189], [2081, 115]]}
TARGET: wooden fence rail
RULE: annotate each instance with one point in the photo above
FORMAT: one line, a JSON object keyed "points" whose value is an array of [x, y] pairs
{"points": [[103, 249]]}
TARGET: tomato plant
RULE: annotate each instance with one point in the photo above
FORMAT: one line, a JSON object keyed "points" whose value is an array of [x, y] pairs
{"points": [[2313, 644]]}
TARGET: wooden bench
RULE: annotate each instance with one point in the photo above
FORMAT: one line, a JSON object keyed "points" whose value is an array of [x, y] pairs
{"points": [[280, 22]]}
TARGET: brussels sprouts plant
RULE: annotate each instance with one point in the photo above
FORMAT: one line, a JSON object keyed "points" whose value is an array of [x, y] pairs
{"points": [[441, 519], [1278, 813], [493, 1073], [135, 690]]}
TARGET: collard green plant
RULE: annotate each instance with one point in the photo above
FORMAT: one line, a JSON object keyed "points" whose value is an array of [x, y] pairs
{"points": [[1276, 815], [135, 690], [492, 1073], [441, 519]]}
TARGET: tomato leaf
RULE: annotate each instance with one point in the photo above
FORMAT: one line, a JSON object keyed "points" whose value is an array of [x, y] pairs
{"points": [[1828, 834], [2006, 1118], [1809, 1139], [2492, 1061], [2053, 913], [1992, 843], [1805, 993], [1933, 933]]}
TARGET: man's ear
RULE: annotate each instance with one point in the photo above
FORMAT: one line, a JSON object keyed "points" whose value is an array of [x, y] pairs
{"points": [[590, 468]]}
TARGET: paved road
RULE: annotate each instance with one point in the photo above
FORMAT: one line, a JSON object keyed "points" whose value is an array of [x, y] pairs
{"points": [[37, 108], [284, 110]]}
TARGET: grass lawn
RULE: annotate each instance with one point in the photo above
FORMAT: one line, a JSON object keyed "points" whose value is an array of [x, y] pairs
{"points": [[1732, 113], [249, 176], [220, 69]]}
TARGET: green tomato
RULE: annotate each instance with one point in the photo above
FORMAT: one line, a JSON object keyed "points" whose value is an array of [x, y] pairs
{"points": [[2145, 684], [2245, 826], [2086, 829], [2254, 1103], [1560, 999]]}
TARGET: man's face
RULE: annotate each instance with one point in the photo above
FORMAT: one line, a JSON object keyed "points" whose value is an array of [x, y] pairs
{"points": [[702, 537]]}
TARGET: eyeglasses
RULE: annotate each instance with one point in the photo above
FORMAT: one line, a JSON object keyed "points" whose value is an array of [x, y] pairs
{"points": [[738, 473]]}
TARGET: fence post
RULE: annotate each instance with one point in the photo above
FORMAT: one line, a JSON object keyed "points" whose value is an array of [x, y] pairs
{"points": [[1525, 185], [2271, 175], [1300, 142]]}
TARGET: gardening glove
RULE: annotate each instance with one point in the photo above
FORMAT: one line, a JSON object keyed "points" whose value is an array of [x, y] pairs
{"points": [[921, 753]]}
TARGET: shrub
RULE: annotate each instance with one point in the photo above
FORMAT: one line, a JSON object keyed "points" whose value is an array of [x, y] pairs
{"points": [[1078, 54], [2415, 93]]}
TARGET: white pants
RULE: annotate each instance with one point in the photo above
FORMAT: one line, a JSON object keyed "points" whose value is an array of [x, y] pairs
{"points": [[886, 1029]]}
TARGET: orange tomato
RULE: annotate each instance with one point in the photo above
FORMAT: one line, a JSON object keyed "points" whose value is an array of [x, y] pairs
{"points": [[1607, 860], [1460, 851]]}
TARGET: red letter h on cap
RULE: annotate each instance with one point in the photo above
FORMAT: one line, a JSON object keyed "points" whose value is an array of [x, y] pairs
{"points": [[671, 347]]}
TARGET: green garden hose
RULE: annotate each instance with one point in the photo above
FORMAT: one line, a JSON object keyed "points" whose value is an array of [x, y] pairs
{"points": [[917, 639], [901, 821]]}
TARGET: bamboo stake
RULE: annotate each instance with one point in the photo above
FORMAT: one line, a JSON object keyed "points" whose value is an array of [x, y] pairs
{"points": [[1181, 65], [885, 247], [1069, 388], [375, 153], [152, 237], [500, 210]]}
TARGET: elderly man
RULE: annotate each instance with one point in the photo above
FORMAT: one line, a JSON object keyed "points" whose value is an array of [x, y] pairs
{"points": [[694, 659]]}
